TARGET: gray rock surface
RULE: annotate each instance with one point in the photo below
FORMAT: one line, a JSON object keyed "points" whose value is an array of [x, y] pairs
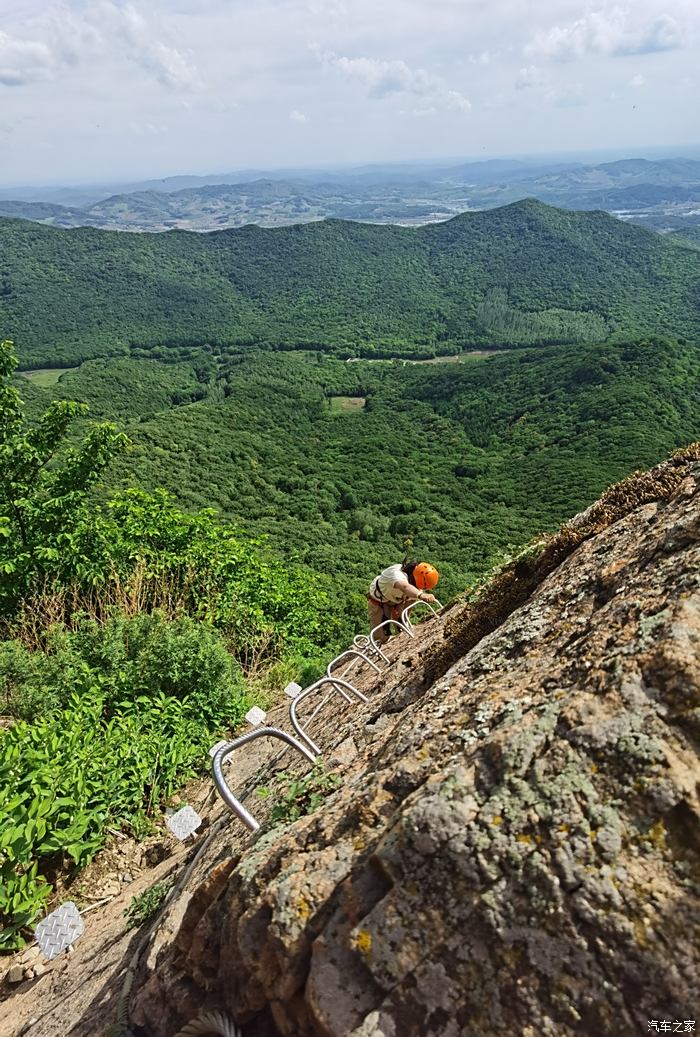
{"points": [[515, 847]]}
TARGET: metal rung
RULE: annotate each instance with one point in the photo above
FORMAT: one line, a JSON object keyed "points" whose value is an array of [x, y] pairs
{"points": [[409, 608], [234, 805], [338, 685], [387, 623], [357, 655], [362, 641]]}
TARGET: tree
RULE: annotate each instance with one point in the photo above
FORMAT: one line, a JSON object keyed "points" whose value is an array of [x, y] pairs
{"points": [[44, 488]]}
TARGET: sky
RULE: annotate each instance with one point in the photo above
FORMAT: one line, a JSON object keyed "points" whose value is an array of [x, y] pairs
{"points": [[107, 90]]}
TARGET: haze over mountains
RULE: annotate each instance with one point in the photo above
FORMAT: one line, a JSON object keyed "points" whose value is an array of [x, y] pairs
{"points": [[662, 194]]}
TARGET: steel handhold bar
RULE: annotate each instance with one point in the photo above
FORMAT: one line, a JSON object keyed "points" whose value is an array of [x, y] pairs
{"points": [[409, 608], [357, 654], [363, 641], [234, 805], [387, 623], [335, 683]]}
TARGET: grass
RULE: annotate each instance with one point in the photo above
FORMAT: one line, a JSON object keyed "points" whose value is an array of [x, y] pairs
{"points": [[458, 358], [46, 376], [346, 404]]}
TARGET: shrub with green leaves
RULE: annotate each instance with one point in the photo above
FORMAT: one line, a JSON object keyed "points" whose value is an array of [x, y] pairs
{"points": [[62, 552], [127, 659], [126, 624], [100, 762]]}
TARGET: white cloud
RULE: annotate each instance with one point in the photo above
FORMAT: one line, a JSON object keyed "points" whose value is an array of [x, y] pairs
{"points": [[148, 129], [456, 101], [612, 32], [221, 106], [72, 37], [24, 61], [419, 113], [126, 25], [170, 67], [100, 31], [385, 78], [328, 8], [529, 77], [636, 81], [388, 80], [298, 117]]}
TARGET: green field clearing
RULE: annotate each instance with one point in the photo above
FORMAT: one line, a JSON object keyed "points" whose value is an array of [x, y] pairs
{"points": [[45, 376], [459, 358], [346, 404]]}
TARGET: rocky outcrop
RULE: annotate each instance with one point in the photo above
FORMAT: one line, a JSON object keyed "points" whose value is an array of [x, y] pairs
{"points": [[516, 846]]}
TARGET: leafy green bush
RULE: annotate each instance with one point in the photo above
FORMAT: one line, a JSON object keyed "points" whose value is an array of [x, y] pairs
{"points": [[98, 762], [127, 658], [60, 553]]}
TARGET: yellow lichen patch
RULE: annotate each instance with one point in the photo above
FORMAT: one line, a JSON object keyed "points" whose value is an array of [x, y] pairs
{"points": [[522, 838], [497, 820], [657, 836], [303, 908], [594, 768], [640, 933], [563, 828], [362, 942]]}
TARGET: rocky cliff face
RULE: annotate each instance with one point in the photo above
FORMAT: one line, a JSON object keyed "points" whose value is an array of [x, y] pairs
{"points": [[515, 847]]}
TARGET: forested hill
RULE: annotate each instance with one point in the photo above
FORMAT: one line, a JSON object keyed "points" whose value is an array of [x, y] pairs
{"points": [[523, 274], [345, 465]]}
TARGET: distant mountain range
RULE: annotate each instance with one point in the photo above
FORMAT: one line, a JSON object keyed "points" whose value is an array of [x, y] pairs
{"points": [[523, 274], [664, 195]]}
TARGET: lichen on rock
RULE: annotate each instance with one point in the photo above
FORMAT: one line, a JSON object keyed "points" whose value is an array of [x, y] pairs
{"points": [[516, 849]]}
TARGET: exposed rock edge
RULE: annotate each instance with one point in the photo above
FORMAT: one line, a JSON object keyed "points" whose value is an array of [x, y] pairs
{"points": [[515, 847]]}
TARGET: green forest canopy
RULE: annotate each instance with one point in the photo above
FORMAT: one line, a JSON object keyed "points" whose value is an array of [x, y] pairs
{"points": [[525, 274], [457, 462]]}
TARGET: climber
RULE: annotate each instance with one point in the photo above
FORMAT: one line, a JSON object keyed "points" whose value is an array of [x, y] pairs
{"points": [[395, 588]]}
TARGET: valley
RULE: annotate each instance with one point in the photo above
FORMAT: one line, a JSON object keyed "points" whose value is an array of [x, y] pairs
{"points": [[349, 519]]}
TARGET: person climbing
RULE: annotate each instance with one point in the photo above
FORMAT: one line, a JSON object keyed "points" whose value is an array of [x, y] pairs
{"points": [[395, 588]]}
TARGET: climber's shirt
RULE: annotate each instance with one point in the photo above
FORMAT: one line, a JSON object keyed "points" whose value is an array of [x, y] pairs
{"points": [[382, 588]]}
